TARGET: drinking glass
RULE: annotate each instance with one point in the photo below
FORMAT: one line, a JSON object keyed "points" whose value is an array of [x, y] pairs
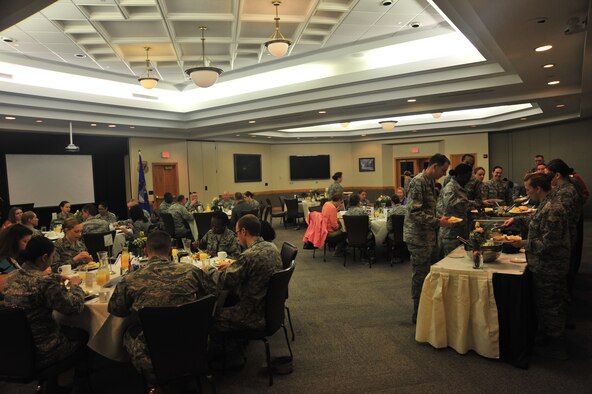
{"points": [[187, 245], [43, 229]]}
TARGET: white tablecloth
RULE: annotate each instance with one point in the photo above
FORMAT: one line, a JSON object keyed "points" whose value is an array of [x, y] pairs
{"points": [[118, 241], [307, 204], [457, 306], [377, 226]]}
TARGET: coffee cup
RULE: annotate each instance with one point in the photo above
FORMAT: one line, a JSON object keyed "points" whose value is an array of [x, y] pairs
{"points": [[222, 255], [65, 269]]}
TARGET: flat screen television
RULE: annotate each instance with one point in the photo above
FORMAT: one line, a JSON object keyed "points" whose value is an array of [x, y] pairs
{"points": [[247, 168], [309, 167]]}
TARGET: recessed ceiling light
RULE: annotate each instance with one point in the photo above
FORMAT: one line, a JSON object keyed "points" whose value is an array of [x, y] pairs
{"points": [[238, 135], [297, 138], [268, 137], [522, 118], [549, 65], [9, 118], [38, 121], [553, 82], [80, 55], [322, 112], [132, 127], [411, 100], [363, 135], [253, 136], [93, 125], [252, 121], [473, 125], [543, 48], [560, 105], [112, 125]]}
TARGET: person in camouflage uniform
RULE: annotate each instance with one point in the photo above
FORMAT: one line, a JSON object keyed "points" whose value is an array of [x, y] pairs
{"points": [[421, 224], [474, 186], [249, 198], [396, 209], [181, 217], [39, 294], [247, 279], [355, 210], [30, 220], [336, 185], [220, 238], [467, 159], [159, 282], [226, 202], [240, 205], [193, 204], [166, 204], [93, 224], [496, 188], [104, 213], [453, 201], [547, 253], [70, 249]]}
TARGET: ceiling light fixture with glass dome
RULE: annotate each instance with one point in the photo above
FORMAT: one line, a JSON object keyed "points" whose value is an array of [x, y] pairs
{"points": [[149, 81], [204, 76], [277, 44]]}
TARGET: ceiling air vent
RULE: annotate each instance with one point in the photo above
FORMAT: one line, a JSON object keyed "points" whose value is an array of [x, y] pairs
{"points": [[6, 76], [144, 96]]}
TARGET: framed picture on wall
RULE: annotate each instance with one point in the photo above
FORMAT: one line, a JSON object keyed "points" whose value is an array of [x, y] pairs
{"points": [[367, 164], [247, 168]]}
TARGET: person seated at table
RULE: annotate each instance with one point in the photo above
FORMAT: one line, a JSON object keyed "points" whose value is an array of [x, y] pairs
{"points": [[181, 217], [240, 205], [474, 186], [15, 215], [157, 283], [30, 220], [70, 249], [396, 209], [166, 204], [220, 238], [336, 185], [133, 202], [453, 201], [104, 213], [246, 279], [39, 293], [547, 253], [64, 207], [140, 225], [225, 202], [354, 209], [249, 198], [364, 202], [193, 204], [13, 241], [334, 234], [400, 192], [497, 189], [92, 223]]}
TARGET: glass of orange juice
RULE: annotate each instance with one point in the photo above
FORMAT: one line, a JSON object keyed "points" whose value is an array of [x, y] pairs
{"points": [[125, 258], [102, 277]]}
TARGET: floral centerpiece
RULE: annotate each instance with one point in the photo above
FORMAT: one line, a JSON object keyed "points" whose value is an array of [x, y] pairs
{"points": [[139, 243], [478, 236], [382, 199]]}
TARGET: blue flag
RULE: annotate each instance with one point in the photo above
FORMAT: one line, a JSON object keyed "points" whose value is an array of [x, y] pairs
{"points": [[142, 193]]}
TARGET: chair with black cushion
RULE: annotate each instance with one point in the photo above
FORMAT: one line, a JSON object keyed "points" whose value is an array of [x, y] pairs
{"points": [[281, 214], [261, 211], [323, 201], [179, 351], [17, 353], [357, 234], [318, 208], [248, 212], [396, 247], [203, 221], [96, 243], [169, 223], [266, 212], [292, 213], [274, 316], [288, 255]]}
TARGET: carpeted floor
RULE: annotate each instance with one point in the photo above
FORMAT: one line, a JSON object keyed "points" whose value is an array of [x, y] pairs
{"points": [[354, 334]]}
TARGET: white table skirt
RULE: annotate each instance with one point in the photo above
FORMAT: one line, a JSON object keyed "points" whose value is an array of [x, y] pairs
{"points": [[457, 306], [377, 226]]}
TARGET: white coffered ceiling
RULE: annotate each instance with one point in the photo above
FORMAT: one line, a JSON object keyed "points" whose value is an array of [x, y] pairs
{"points": [[358, 60]]}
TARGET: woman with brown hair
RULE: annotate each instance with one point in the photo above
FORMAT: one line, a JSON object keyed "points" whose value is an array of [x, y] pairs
{"points": [[13, 240], [70, 249], [14, 216]]}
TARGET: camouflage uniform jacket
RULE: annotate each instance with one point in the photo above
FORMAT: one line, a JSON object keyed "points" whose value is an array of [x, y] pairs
{"points": [[453, 201], [109, 217], [567, 195], [547, 247], [334, 188], [159, 282], [397, 209], [61, 218], [226, 204], [236, 211], [36, 233], [497, 190], [248, 278], [164, 207], [254, 204], [39, 295], [357, 211], [225, 242], [95, 226], [474, 189], [421, 223], [180, 215], [65, 253], [193, 206]]}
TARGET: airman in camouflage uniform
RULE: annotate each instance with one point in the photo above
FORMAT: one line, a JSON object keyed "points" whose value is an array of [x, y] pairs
{"points": [[248, 279], [396, 209], [334, 189], [356, 210], [497, 190], [181, 216], [39, 294], [567, 195], [453, 201], [226, 204], [158, 283], [164, 207], [225, 242], [95, 225], [474, 189], [109, 217], [65, 251]]}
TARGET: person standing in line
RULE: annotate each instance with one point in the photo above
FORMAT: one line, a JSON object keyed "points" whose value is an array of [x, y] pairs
{"points": [[421, 224], [336, 185], [497, 188]]}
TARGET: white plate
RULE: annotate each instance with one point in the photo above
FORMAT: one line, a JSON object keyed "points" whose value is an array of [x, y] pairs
{"points": [[519, 260], [457, 256]]}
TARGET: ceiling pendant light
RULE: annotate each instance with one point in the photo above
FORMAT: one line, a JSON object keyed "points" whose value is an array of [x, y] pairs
{"points": [[388, 125], [204, 76], [345, 125], [148, 81], [71, 147], [277, 44], [436, 115]]}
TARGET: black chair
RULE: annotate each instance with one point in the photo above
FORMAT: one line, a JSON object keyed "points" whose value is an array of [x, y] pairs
{"points": [[261, 211], [281, 214], [180, 350], [396, 245], [248, 212], [292, 213], [323, 201], [169, 223], [274, 315], [203, 221], [265, 213], [357, 234], [96, 243], [288, 255], [318, 208], [17, 353]]}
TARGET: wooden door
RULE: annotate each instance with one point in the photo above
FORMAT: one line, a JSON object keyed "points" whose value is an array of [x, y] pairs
{"points": [[165, 178], [413, 164], [456, 159]]}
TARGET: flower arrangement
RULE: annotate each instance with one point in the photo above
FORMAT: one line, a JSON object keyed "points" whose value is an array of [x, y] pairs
{"points": [[215, 201], [382, 199], [480, 235], [140, 241]]}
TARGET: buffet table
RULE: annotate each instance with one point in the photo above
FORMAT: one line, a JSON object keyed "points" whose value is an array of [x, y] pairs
{"points": [[487, 310]]}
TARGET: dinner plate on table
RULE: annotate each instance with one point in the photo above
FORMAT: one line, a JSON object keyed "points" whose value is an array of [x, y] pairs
{"points": [[519, 260]]}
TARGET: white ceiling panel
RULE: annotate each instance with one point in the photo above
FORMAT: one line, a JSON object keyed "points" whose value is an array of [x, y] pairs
{"points": [[43, 25], [63, 11], [362, 18], [51, 38]]}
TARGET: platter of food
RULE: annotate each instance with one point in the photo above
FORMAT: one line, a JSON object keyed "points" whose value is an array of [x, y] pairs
{"points": [[454, 219], [522, 209], [519, 260], [93, 265], [507, 238]]}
